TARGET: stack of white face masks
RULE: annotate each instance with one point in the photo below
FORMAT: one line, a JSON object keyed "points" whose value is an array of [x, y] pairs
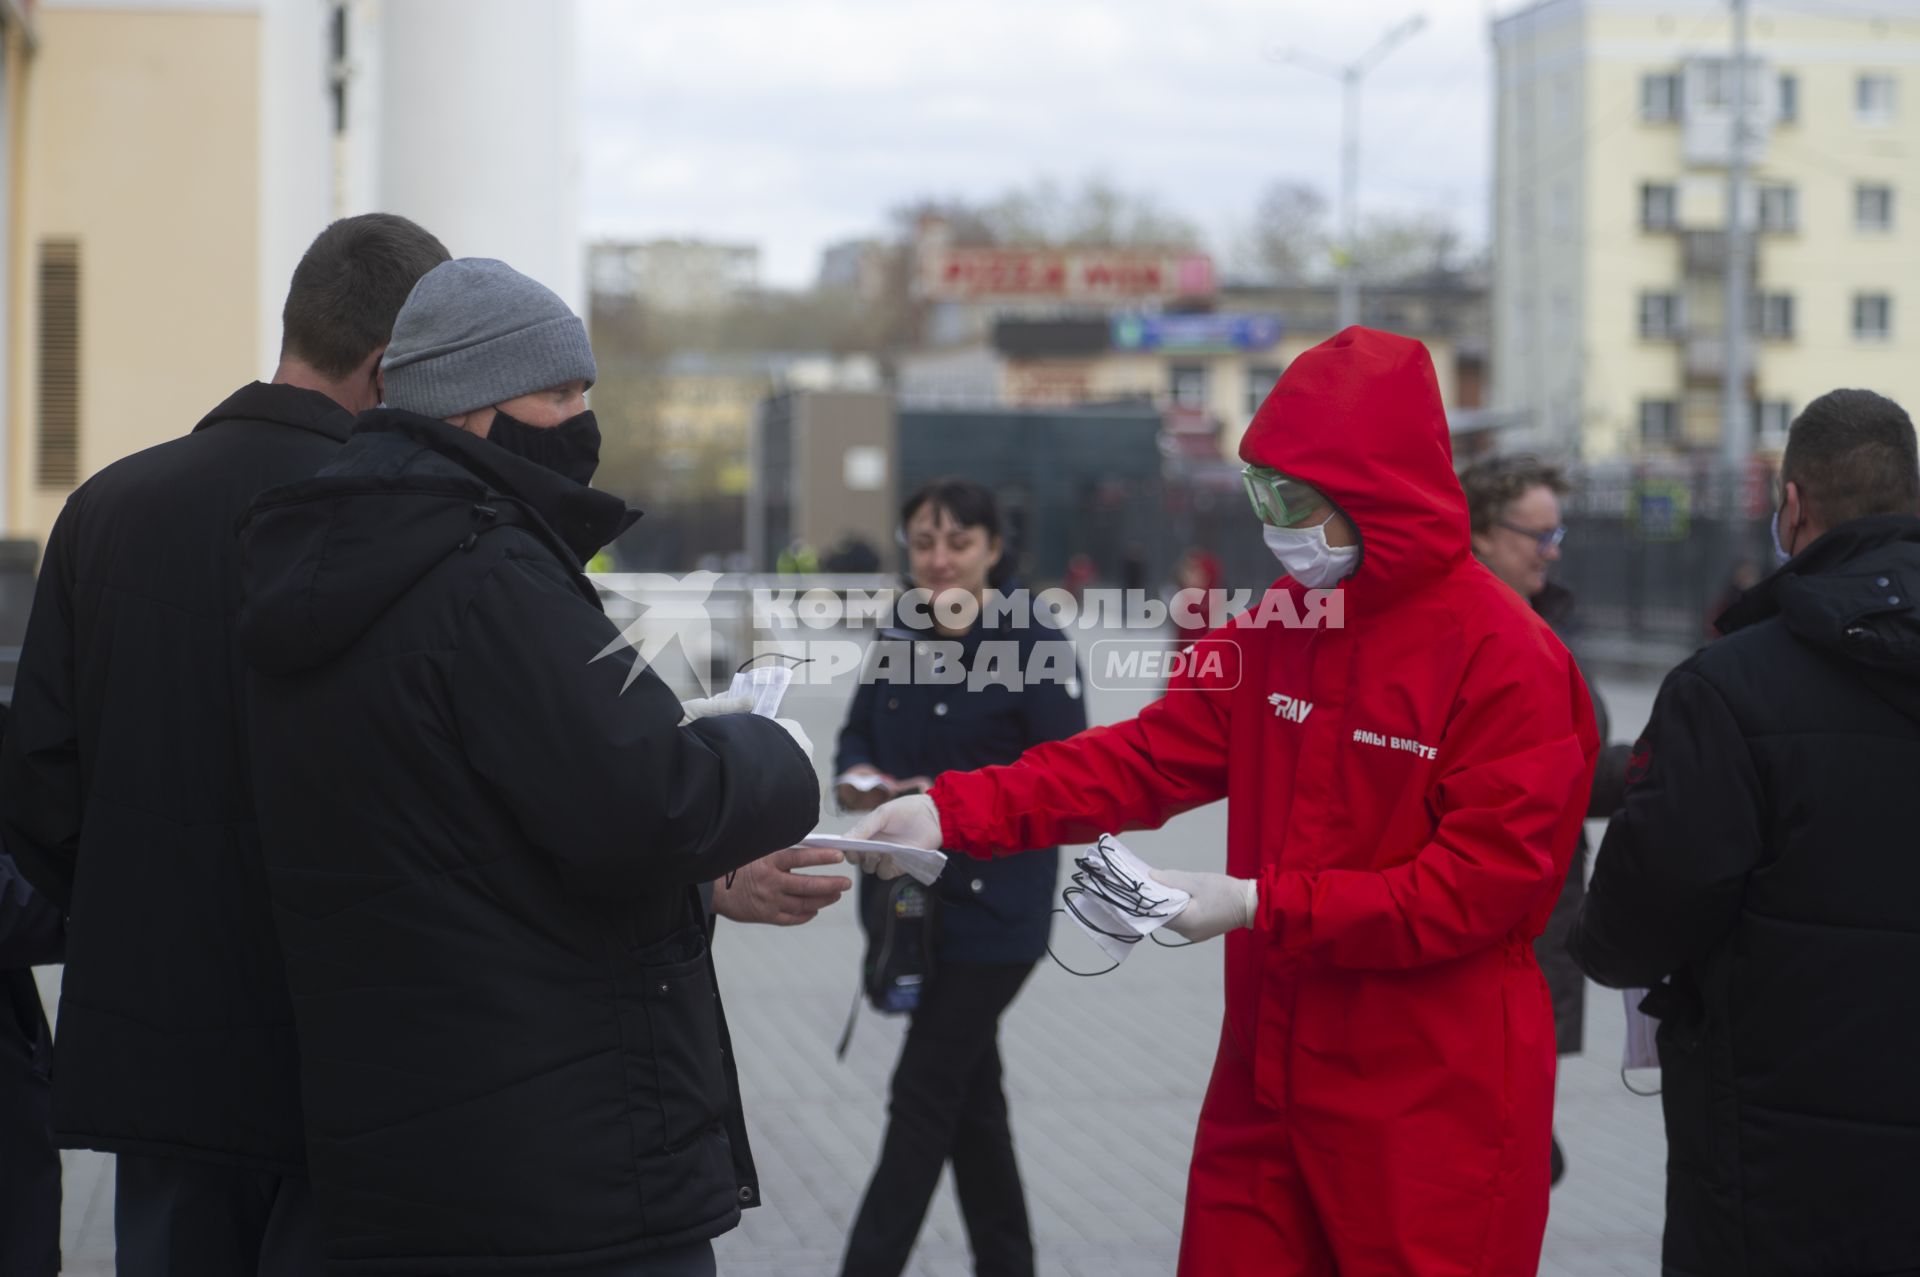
{"points": [[1115, 899]]}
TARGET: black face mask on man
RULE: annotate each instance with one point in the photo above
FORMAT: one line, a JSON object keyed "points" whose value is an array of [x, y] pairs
{"points": [[570, 449]]}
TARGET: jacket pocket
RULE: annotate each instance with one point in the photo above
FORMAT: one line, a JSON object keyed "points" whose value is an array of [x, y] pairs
{"points": [[676, 1074]]}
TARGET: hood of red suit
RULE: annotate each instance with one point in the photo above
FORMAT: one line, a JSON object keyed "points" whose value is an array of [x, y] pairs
{"points": [[1359, 417]]}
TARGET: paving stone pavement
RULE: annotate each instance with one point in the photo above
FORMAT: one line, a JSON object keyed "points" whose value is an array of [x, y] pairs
{"points": [[1105, 1078]]}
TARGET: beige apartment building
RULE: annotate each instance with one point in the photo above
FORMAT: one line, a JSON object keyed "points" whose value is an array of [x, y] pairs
{"points": [[1613, 124]]}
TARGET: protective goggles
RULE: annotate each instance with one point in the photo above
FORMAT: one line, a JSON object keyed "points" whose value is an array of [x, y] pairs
{"points": [[1279, 501]]}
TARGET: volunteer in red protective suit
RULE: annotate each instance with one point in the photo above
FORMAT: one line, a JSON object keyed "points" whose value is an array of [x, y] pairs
{"points": [[1404, 793]]}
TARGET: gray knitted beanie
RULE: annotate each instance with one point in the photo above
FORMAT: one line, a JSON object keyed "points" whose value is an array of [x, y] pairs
{"points": [[476, 332]]}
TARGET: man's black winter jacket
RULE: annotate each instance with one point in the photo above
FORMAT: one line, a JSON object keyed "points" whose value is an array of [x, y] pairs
{"points": [[1767, 860], [124, 795], [483, 850]]}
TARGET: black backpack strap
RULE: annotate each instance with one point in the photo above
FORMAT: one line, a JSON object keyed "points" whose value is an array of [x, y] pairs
{"points": [[853, 1014]]}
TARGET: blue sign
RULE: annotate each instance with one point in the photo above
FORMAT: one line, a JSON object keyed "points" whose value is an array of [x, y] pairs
{"points": [[1197, 334]]}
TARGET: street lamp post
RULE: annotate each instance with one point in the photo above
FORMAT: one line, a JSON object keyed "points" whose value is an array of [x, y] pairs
{"points": [[1350, 75]]}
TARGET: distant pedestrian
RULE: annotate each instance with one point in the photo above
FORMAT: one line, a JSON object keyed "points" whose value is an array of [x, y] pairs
{"points": [[1513, 504], [125, 794], [1762, 880]]}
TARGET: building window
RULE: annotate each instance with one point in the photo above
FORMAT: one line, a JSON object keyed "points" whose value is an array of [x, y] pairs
{"points": [[1659, 315], [1187, 384], [1660, 98], [1872, 207], [1779, 208], [1872, 316], [1789, 98], [1260, 381], [1659, 206], [1659, 423], [1773, 315], [58, 463], [1771, 417], [1876, 99]]}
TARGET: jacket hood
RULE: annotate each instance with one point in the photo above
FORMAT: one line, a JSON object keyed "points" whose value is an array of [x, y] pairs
{"points": [[1359, 417], [1851, 594], [324, 558]]}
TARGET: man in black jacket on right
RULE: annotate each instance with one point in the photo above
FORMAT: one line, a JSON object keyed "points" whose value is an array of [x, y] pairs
{"points": [[1764, 869]]}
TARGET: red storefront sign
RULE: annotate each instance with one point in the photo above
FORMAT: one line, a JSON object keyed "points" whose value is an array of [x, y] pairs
{"points": [[978, 274]]}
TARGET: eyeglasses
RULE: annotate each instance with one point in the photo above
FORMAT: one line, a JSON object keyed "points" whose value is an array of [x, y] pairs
{"points": [[1279, 501], [1548, 541]]}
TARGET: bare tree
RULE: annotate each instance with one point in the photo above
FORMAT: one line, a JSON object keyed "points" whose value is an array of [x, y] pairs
{"points": [[1288, 242]]}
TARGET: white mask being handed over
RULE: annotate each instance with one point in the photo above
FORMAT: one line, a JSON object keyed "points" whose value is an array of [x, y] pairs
{"points": [[1308, 557]]}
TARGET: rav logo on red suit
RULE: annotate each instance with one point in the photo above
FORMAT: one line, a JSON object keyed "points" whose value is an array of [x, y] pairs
{"points": [[1291, 708]]}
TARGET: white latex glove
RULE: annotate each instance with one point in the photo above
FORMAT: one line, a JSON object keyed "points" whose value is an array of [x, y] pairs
{"points": [[709, 706], [912, 821], [1220, 904]]}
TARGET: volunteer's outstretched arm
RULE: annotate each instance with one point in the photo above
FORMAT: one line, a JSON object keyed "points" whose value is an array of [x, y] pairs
{"points": [[1137, 774]]}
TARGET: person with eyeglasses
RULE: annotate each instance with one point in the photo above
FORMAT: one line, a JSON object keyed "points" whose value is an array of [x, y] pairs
{"points": [[1405, 749], [1513, 506]]}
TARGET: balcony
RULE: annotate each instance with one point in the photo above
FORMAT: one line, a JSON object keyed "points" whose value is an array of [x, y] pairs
{"points": [[1703, 254]]}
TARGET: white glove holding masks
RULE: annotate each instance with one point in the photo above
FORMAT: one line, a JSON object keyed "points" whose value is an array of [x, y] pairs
{"points": [[741, 703], [912, 821], [1220, 904]]}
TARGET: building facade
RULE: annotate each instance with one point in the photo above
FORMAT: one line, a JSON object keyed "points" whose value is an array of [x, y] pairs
{"points": [[1613, 132], [675, 274], [1206, 370], [170, 160]]}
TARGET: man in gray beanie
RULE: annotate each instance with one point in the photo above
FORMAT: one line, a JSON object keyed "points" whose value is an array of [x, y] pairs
{"points": [[487, 848]]}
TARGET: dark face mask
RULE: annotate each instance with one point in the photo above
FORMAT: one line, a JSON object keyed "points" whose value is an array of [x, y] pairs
{"points": [[570, 449]]}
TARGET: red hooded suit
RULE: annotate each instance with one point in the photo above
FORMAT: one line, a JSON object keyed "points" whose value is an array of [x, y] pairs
{"points": [[1407, 790]]}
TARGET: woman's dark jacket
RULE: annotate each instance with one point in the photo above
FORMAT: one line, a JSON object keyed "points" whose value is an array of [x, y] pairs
{"points": [[483, 849], [907, 724], [1765, 861]]}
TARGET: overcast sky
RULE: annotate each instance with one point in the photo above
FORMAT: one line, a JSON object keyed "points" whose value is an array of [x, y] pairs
{"points": [[795, 123]]}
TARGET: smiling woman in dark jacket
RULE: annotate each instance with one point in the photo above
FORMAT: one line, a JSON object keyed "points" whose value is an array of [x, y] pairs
{"points": [[485, 828], [947, 1102]]}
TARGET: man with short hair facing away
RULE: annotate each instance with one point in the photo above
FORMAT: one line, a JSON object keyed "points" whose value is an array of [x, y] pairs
{"points": [[487, 827], [125, 795], [1403, 793], [1762, 880]]}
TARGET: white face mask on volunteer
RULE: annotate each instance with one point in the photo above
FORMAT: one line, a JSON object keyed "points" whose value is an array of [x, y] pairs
{"points": [[1307, 556]]}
